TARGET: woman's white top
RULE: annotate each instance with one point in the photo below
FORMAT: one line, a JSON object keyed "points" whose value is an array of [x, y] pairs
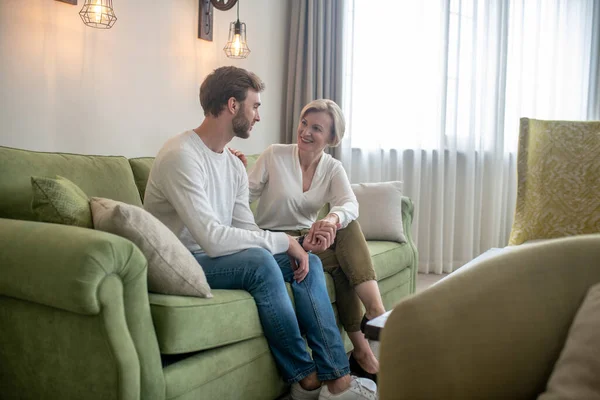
{"points": [[277, 180]]}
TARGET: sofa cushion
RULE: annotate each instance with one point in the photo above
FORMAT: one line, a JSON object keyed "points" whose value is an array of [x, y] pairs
{"points": [[171, 267], [251, 160], [60, 201], [389, 258], [221, 372], [101, 176], [576, 373], [187, 324], [141, 167], [380, 215]]}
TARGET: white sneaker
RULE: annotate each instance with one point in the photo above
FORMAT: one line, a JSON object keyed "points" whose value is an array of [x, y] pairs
{"points": [[298, 393], [360, 389]]}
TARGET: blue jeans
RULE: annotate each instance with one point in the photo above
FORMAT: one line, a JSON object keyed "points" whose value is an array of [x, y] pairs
{"points": [[264, 275]]}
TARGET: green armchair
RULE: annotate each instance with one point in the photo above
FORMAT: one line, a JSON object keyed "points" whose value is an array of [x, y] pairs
{"points": [[493, 329]]}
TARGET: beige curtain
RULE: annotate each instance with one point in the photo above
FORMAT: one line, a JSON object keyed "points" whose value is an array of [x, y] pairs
{"points": [[315, 58]]}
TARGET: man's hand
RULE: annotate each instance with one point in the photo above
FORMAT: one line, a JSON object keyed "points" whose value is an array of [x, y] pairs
{"points": [[322, 233], [313, 247], [239, 155], [298, 259]]}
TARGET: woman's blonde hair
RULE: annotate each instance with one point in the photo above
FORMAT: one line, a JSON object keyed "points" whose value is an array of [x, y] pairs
{"points": [[338, 127]]}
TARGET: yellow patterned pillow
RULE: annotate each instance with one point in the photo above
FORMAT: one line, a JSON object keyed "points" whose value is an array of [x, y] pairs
{"points": [[558, 191]]}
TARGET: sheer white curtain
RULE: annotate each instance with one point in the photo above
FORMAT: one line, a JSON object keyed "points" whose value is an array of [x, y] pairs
{"points": [[434, 92]]}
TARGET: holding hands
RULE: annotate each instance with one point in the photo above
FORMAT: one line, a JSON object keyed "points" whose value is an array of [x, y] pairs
{"points": [[321, 235], [319, 238]]}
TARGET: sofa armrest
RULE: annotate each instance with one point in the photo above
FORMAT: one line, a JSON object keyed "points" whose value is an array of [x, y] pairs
{"points": [[62, 266], [408, 210], [56, 280], [494, 330]]}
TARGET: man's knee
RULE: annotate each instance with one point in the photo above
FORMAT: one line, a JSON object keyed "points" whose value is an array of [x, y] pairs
{"points": [[258, 255], [314, 263], [316, 276], [264, 264]]}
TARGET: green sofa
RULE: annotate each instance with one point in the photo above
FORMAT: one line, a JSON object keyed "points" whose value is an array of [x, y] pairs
{"points": [[76, 318]]}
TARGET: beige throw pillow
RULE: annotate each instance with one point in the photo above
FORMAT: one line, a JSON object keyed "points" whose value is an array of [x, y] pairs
{"points": [[576, 374], [172, 269], [380, 210]]}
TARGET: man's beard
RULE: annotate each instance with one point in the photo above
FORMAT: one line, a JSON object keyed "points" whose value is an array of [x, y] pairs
{"points": [[241, 126]]}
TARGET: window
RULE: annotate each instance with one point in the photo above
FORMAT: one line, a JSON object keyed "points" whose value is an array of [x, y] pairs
{"points": [[458, 74]]}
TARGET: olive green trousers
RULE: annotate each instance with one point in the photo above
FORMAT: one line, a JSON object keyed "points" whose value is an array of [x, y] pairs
{"points": [[349, 262]]}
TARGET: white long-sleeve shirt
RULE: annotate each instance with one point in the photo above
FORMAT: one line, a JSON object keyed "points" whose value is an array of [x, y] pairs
{"points": [[202, 196], [277, 180]]}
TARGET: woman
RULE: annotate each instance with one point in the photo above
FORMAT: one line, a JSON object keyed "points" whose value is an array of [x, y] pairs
{"points": [[293, 183]]}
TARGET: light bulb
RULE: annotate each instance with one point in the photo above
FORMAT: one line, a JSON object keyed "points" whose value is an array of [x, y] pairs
{"points": [[98, 14], [237, 45], [98, 11]]}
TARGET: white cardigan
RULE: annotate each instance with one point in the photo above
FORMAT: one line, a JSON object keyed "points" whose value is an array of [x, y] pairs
{"points": [[277, 180]]}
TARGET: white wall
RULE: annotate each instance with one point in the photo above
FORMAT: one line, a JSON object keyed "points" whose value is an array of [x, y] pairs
{"points": [[67, 87]]}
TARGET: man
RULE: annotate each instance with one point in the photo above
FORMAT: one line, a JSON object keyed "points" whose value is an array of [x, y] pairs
{"points": [[200, 191]]}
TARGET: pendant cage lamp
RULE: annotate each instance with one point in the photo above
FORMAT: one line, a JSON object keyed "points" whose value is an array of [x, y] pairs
{"points": [[98, 14], [237, 46]]}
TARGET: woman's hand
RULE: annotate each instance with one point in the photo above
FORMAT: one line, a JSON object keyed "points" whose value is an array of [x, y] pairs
{"points": [[298, 259], [239, 155], [322, 233]]}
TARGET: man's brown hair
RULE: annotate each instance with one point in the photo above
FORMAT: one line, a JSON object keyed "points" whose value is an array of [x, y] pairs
{"points": [[224, 83]]}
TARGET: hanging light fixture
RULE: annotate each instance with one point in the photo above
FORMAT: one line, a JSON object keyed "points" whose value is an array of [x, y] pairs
{"points": [[236, 46], [98, 14]]}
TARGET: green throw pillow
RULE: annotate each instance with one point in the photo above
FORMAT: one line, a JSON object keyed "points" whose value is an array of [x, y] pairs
{"points": [[60, 201]]}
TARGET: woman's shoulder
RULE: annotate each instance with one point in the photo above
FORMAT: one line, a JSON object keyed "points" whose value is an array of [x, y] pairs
{"points": [[280, 150], [332, 164]]}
